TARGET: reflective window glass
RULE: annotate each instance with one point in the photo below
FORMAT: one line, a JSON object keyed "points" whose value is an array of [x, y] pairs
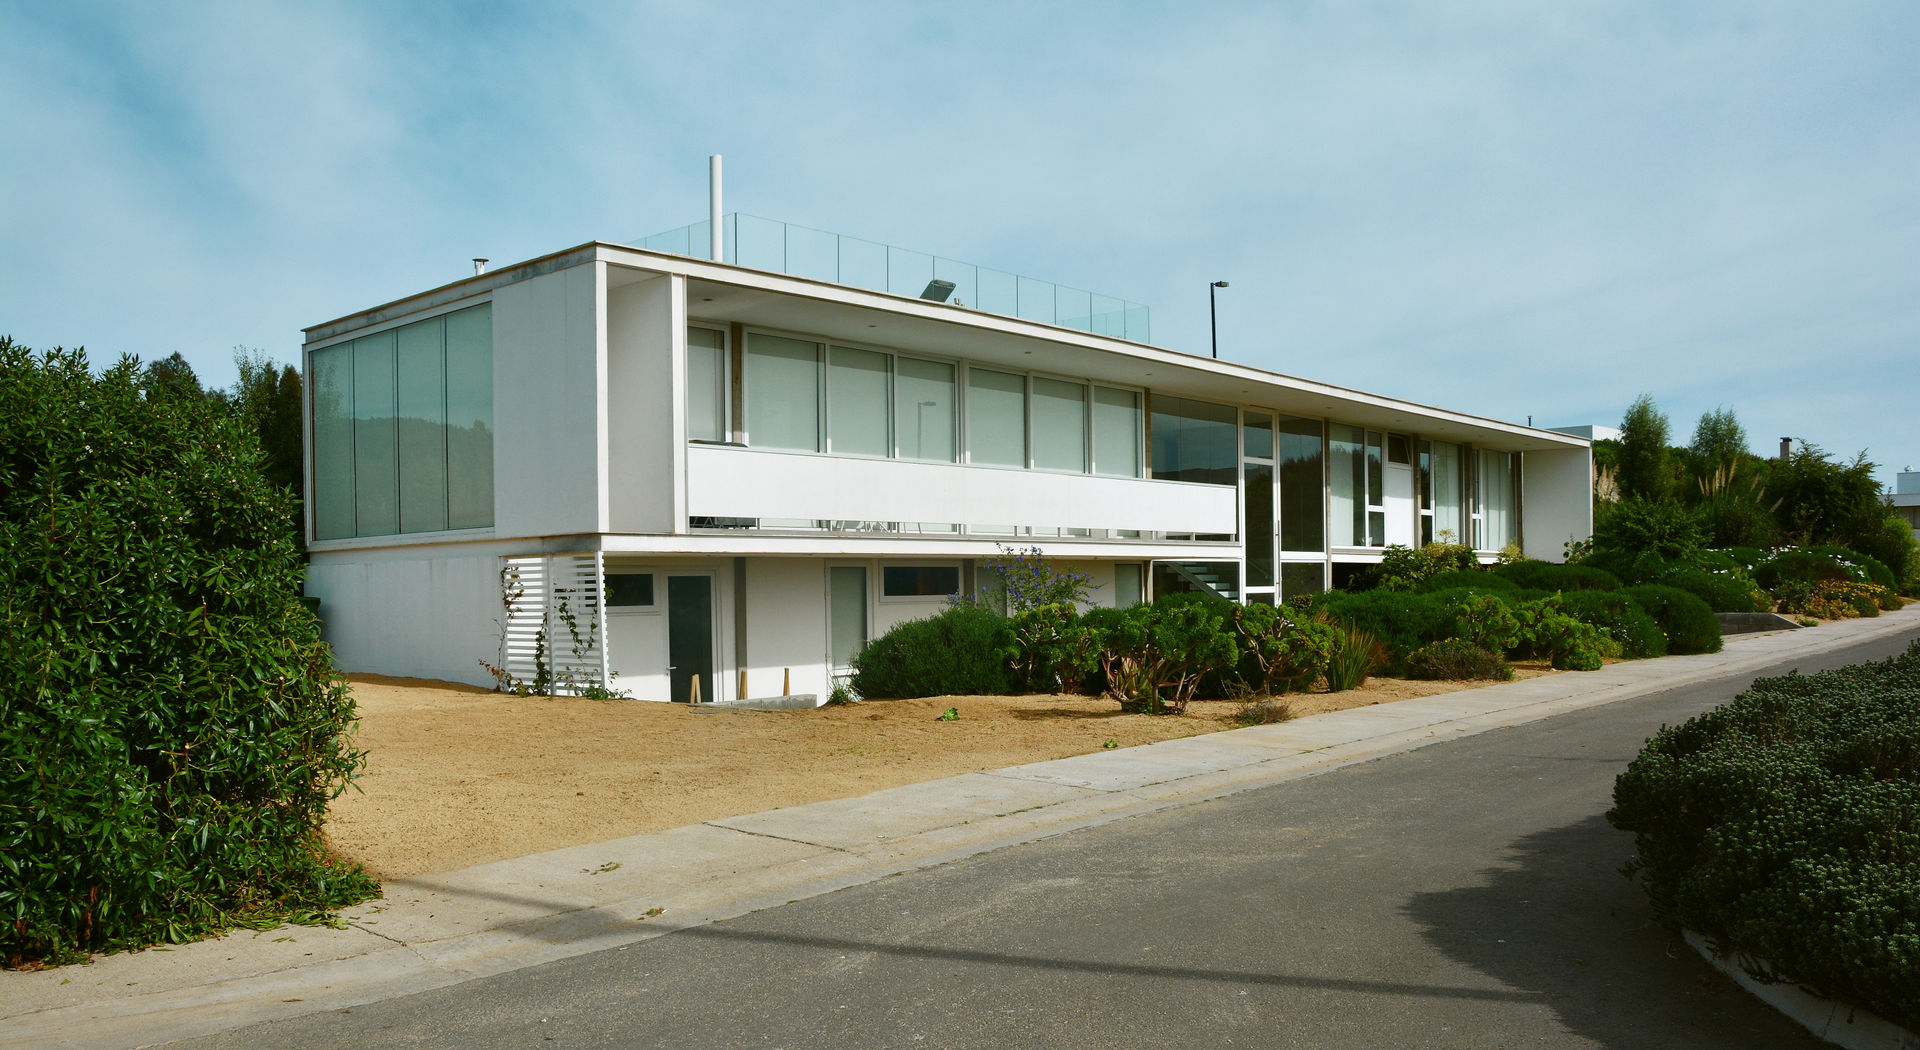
{"points": [[783, 393], [923, 409], [857, 401], [1059, 425], [996, 418]]}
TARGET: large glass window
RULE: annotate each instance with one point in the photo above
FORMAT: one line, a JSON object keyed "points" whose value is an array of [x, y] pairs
{"points": [[1116, 432], [996, 418], [923, 409], [1499, 499], [707, 389], [1347, 485], [857, 401], [1302, 485], [422, 422], [403, 429], [1444, 504], [919, 581], [1059, 425], [783, 393], [332, 386], [470, 418], [376, 460], [1195, 441]]}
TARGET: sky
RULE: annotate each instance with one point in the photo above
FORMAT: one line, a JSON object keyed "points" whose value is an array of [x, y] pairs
{"points": [[1517, 210]]}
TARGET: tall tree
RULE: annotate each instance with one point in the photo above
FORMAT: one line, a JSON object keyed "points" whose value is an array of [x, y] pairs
{"points": [[1718, 440], [1643, 451]]}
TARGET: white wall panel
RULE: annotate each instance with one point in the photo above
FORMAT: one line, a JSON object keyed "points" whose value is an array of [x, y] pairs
{"points": [[786, 625], [643, 340], [1556, 501], [419, 616], [546, 405], [751, 483]]}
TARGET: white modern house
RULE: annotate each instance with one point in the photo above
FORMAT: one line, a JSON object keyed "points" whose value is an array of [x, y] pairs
{"points": [[638, 465], [1906, 498]]}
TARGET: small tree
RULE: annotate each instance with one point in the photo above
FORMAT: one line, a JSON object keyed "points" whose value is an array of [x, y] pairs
{"points": [[1643, 451], [1718, 441]]}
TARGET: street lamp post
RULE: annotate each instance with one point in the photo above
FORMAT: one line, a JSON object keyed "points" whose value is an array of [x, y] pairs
{"points": [[1213, 316]]}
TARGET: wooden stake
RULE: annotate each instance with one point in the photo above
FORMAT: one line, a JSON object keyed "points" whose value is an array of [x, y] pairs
{"points": [[742, 694], [786, 682], [693, 690]]}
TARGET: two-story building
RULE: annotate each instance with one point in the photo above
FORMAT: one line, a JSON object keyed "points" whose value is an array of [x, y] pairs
{"points": [[671, 473]]}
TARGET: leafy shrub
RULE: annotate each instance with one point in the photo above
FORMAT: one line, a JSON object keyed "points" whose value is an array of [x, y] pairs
{"points": [[1638, 526], [1457, 660], [1731, 591], [1549, 576], [1690, 626], [1154, 656], [1484, 622], [1797, 565], [1785, 825], [1402, 569], [1357, 654], [1840, 599], [1569, 644], [1401, 623], [1287, 650], [1620, 618], [1049, 649], [960, 652], [1859, 566], [1747, 557], [1474, 579], [171, 729]]}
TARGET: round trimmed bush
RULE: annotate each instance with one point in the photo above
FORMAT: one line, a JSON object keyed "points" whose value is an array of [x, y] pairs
{"points": [[961, 652], [1689, 624], [1400, 622], [1457, 660], [1722, 593], [1616, 613]]}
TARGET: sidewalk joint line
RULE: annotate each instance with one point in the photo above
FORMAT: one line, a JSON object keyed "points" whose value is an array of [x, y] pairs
{"points": [[781, 838]]}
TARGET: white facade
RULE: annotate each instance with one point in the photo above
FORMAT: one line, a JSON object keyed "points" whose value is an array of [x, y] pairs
{"points": [[763, 470]]}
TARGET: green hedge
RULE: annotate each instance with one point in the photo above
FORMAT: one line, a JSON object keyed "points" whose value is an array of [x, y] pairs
{"points": [[1689, 624], [1551, 576], [171, 729], [1786, 826], [961, 652], [1401, 622], [1638, 634]]}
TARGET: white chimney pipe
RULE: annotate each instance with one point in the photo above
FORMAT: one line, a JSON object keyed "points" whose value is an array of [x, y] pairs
{"points": [[479, 266], [713, 194]]}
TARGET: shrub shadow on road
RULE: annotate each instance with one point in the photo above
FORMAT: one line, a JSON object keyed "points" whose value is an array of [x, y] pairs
{"points": [[1559, 921]]}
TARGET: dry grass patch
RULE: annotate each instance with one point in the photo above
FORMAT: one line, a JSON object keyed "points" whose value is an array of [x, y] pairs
{"points": [[458, 775]]}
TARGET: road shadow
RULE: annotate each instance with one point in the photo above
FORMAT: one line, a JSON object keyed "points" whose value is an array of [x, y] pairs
{"points": [[1558, 921]]}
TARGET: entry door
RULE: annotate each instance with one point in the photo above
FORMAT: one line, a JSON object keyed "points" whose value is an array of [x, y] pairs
{"points": [[690, 637], [846, 615], [1399, 502]]}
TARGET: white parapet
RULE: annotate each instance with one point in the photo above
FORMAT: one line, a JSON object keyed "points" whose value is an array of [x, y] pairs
{"points": [[732, 482]]}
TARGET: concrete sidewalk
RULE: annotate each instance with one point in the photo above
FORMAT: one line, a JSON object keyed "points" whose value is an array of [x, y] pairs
{"points": [[441, 929]]}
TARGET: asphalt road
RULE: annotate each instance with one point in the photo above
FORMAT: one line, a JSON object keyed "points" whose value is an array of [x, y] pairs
{"points": [[1462, 895]]}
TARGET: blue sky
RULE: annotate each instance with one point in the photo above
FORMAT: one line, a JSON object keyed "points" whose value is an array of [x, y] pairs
{"points": [[1508, 209]]}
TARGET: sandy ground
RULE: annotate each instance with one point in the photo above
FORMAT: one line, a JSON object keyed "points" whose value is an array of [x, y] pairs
{"points": [[457, 775]]}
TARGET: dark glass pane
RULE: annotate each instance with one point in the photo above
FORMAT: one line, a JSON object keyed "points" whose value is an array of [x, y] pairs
{"points": [[1302, 578], [1257, 527], [628, 590], [917, 581], [1258, 435], [1195, 441], [1303, 524]]}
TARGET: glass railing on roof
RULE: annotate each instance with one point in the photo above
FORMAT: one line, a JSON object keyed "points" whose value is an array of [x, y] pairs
{"points": [[768, 244]]}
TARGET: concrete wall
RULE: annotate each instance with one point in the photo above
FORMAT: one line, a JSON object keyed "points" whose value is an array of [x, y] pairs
{"points": [[1556, 492], [646, 404], [416, 613], [548, 410]]}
